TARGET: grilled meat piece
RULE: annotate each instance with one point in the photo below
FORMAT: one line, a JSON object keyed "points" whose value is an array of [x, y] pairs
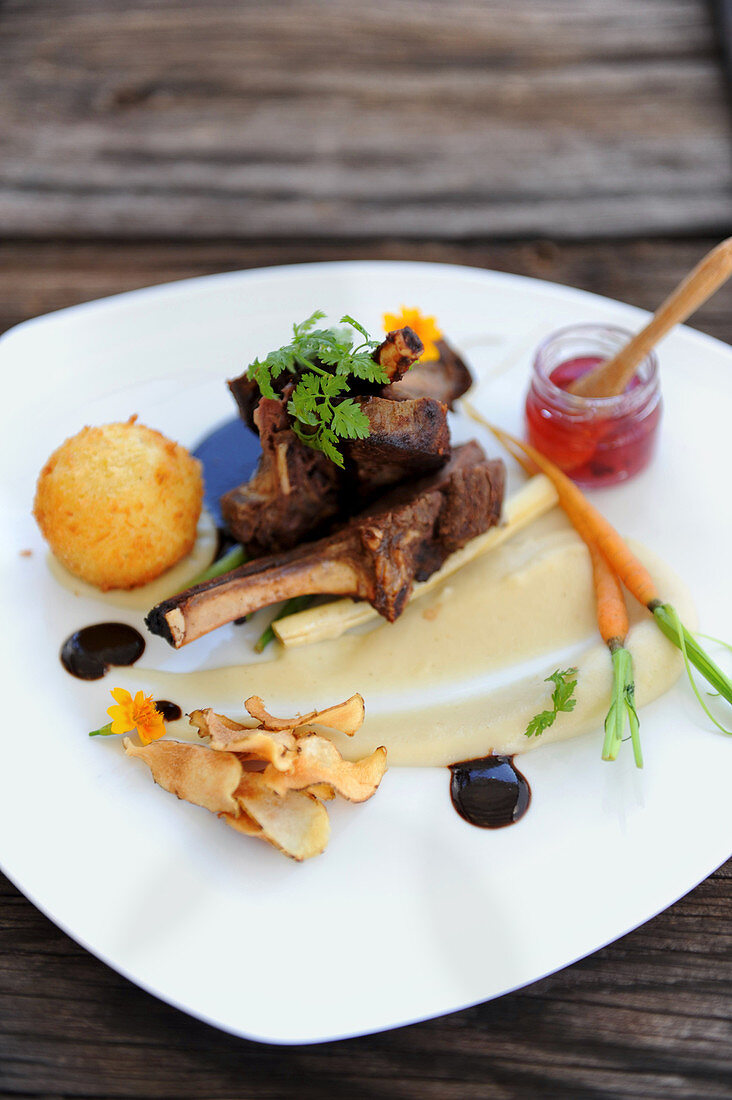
{"points": [[398, 351], [293, 494], [296, 492], [445, 379], [377, 556], [395, 354], [406, 439]]}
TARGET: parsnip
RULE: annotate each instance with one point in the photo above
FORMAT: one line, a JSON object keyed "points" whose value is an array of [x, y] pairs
{"points": [[331, 620]]}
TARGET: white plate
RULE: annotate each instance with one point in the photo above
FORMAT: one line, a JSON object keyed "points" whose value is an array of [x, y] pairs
{"points": [[411, 912]]}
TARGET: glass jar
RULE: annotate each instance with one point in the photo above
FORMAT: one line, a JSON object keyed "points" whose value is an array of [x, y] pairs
{"points": [[595, 440]]}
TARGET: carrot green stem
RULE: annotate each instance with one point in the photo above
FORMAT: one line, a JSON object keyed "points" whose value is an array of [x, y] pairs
{"points": [[622, 707], [717, 641], [668, 620], [297, 603], [230, 560]]}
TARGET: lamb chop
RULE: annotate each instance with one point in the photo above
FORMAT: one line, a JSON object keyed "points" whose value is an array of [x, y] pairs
{"points": [[377, 556], [296, 492]]}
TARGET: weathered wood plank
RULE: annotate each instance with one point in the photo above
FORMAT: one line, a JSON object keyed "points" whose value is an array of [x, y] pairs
{"points": [[37, 277], [330, 118], [647, 1017]]}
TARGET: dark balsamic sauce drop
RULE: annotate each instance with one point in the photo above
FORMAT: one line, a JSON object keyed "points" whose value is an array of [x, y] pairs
{"points": [[490, 792], [171, 712], [88, 653]]}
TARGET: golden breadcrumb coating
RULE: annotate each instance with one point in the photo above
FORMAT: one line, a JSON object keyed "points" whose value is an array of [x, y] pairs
{"points": [[119, 504]]}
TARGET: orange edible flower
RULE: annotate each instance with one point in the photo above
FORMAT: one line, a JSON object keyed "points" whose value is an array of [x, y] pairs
{"points": [[139, 713], [426, 328]]}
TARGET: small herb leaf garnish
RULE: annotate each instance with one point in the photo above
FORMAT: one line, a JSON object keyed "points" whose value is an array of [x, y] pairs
{"points": [[325, 361], [562, 699], [350, 421], [347, 320]]}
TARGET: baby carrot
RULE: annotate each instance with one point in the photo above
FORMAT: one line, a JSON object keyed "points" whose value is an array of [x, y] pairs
{"points": [[612, 614], [612, 620], [592, 526]]}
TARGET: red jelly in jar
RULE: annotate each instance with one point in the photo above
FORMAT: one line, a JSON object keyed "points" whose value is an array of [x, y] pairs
{"points": [[596, 440]]}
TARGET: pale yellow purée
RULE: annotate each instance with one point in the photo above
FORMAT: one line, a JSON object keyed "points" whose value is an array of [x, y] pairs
{"points": [[462, 671]]}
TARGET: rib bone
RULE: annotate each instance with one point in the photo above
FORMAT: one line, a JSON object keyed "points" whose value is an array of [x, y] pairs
{"points": [[375, 557]]}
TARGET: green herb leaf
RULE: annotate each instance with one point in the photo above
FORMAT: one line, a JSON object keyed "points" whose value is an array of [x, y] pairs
{"points": [[362, 366], [563, 693], [540, 722], [325, 361], [348, 320], [562, 699], [328, 445], [305, 326], [350, 421], [331, 385]]}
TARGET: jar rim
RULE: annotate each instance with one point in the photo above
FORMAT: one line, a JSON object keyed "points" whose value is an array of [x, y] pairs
{"points": [[647, 371]]}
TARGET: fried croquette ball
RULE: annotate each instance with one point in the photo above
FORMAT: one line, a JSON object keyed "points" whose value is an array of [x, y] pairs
{"points": [[119, 504]]}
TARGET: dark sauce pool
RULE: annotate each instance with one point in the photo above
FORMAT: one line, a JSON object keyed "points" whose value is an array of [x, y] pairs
{"points": [[228, 455], [90, 652], [171, 712], [490, 792]]}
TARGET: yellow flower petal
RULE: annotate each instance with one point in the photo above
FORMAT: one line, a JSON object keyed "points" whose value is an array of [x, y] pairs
{"points": [[151, 731], [121, 725], [121, 714], [121, 695]]}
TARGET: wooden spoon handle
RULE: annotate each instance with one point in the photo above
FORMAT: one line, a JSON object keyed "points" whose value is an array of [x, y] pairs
{"points": [[611, 377]]}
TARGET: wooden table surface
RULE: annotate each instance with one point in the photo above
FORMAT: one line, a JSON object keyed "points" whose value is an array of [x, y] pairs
{"points": [[584, 141]]}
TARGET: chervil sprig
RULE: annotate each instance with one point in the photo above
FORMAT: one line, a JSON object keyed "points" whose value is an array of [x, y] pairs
{"points": [[325, 361], [562, 700]]}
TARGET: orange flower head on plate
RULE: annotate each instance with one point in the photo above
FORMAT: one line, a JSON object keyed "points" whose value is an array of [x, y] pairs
{"points": [[139, 713], [426, 328]]}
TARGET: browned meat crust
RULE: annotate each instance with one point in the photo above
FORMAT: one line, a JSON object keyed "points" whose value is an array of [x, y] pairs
{"points": [[296, 492], [377, 556], [398, 351], [407, 438], [293, 494], [445, 379]]}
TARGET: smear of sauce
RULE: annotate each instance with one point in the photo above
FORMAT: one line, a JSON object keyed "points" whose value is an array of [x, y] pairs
{"points": [[229, 455], [459, 685], [88, 653], [449, 680], [171, 712], [490, 792], [145, 597]]}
